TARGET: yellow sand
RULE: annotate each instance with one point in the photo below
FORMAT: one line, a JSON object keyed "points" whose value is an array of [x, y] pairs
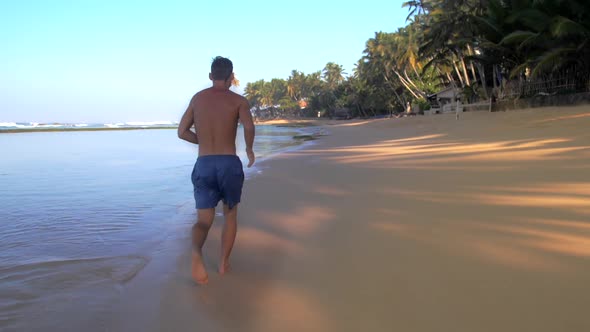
{"points": [[413, 224]]}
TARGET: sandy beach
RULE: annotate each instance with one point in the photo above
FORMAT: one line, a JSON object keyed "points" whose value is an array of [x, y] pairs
{"points": [[412, 224]]}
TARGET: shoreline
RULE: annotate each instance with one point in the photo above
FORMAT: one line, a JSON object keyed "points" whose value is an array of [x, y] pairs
{"points": [[156, 250], [45, 130], [295, 124]]}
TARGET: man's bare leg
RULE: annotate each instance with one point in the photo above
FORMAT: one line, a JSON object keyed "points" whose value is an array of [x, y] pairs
{"points": [[228, 236], [200, 231]]}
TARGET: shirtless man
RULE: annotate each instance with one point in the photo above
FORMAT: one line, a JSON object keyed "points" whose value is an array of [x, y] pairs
{"points": [[218, 173]]}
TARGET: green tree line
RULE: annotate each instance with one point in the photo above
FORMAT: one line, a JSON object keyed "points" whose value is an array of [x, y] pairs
{"points": [[473, 45]]}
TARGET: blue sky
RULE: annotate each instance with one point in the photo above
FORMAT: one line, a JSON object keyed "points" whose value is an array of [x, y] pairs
{"points": [[111, 61]]}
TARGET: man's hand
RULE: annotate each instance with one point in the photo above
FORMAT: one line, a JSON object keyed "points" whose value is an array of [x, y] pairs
{"points": [[249, 130], [251, 157]]}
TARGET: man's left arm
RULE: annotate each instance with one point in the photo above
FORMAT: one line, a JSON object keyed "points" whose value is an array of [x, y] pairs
{"points": [[184, 127]]}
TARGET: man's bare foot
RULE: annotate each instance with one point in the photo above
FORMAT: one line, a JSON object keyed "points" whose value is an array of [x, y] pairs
{"points": [[198, 271], [224, 267]]}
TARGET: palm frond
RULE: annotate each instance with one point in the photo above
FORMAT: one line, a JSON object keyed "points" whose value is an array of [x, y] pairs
{"points": [[531, 18], [488, 45], [535, 39], [563, 26], [488, 26], [517, 37], [551, 60]]}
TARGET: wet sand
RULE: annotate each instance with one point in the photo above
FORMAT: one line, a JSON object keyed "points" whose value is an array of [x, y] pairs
{"points": [[413, 224]]}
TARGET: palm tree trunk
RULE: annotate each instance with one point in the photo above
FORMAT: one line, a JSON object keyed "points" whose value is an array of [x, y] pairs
{"points": [[494, 77], [471, 53], [393, 89], [401, 102], [451, 80], [467, 81], [405, 84], [416, 72], [413, 84], [473, 70], [458, 74], [482, 75]]}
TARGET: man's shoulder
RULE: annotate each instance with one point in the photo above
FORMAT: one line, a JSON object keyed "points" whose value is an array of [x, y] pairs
{"points": [[241, 98], [236, 95], [207, 93], [238, 98], [198, 95], [202, 92]]}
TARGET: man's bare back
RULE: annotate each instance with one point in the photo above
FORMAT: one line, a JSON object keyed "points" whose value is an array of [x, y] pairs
{"points": [[214, 113]]}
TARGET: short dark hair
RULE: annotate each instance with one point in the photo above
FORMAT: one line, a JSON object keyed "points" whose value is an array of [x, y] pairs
{"points": [[221, 68]]}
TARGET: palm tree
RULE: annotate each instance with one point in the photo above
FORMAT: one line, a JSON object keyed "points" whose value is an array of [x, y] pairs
{"points": [[333, 74], [278, 88], [253, 92], [295, 85], [312, 86]]}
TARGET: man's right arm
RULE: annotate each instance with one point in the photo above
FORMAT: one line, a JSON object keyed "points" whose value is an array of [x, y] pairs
{"points": [[249, 130], [184, 127]]}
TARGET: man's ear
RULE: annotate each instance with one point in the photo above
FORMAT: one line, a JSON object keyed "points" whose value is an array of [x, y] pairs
{"points": [[211, 76]]}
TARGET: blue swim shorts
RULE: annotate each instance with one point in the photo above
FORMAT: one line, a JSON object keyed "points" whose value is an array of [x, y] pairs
{"points": [[215, 178]]}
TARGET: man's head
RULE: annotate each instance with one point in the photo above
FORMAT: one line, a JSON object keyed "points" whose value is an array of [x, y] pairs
{"points": [[221, 70]]}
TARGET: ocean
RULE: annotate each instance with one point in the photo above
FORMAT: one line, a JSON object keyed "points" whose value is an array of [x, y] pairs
{"points": [[36, 126], [85, 208]]}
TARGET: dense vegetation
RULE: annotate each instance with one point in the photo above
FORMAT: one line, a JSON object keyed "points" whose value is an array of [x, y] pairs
{"points": [[478, 46]]}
